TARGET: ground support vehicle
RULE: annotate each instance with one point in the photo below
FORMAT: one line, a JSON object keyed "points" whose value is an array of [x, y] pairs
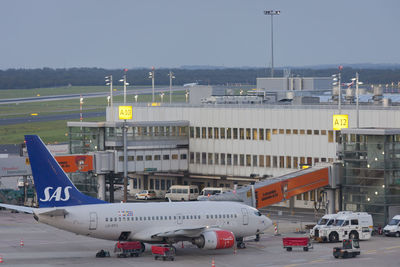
{"points": [[393, 228], [164, 253], [350, 249], [102, 254], [356, 225], [326, 221], [290, 242], [146, 194], [125, 249]]}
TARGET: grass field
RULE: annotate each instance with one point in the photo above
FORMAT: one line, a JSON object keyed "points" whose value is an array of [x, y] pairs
{"points": [[55, 131]]}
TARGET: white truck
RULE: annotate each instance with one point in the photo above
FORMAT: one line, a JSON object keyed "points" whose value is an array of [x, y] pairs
{"points": [[326, 221], [393, 228], [354, 225]]}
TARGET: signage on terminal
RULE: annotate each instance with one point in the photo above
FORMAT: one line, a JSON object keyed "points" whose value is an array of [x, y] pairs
{"points": [[125, 112], [340, 121]]}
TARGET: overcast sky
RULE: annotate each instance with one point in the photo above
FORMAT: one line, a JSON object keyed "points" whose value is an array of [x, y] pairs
{"points": [[172, 33]]}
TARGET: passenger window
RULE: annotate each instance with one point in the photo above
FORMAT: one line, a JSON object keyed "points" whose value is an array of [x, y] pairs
{"points": [[171, 217], [148, 218], [157, 218], [191, 217], [110, 219], [223, 216], [212, 217], [136, 218], [119, 218], [220, 216], [199, 217], [206, 216], [106, 219], [175, 218]]}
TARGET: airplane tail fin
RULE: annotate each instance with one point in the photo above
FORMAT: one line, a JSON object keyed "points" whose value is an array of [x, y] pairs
{"points": [[53, 187]]}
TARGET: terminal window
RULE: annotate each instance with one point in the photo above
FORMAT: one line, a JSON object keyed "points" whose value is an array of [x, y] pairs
{"points": [[148, 157], [295, 162], [210, 133], [241, 132], [330, 136], [323, 132], [309, 132], [204, 158], [268, 161], [248, 133], [183, 156], [254, 160], [228, 133], [281, 131], [197, 132], [261, 160], [216, 133], [157, 157], [229, 159], [222, 159], [248, 160], [261, 134], [210, 158], [203, 132], [165, 157], [302, 131], [281, 162], [191, 129], [274, 131], [288, 162], [174, 156], [191, 157], [288, 131], [241, 159], [316, 132], [235, 159], [235, 133], [295, 131], [255, 134], [216, 158], [268, 134], [275, 162], [139, 158], [222, 132]]}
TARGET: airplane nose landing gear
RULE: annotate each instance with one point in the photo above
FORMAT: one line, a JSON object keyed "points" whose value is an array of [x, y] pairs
{"points": [[239, 243]]}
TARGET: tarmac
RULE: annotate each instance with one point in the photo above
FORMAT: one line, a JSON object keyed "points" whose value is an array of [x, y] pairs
{"points": [[47, 246]]}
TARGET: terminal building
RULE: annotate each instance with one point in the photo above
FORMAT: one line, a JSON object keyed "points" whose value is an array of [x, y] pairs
{"points": [[224, 138]]}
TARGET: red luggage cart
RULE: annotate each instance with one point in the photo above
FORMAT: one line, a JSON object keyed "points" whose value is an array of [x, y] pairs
{"points": [[163, 253], [290, 242], [125, 249]]}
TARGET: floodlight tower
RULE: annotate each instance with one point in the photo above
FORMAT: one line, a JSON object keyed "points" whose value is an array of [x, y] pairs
{"points": [[151, 76], [125, 84], [272, 13], [171, 76]]}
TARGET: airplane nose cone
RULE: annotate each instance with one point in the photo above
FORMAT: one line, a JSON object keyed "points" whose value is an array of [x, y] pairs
{"points": [[267, 222]]}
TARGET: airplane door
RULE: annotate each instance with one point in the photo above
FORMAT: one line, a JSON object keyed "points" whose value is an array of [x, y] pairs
{"points": [[245, 216], [93, 221], [179, 218]]}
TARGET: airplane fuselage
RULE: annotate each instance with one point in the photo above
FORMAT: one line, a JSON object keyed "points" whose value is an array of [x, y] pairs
{"points": [[139, 221]]}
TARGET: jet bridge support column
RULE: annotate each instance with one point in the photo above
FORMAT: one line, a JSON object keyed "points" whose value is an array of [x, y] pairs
{"points": [[101, 186]]}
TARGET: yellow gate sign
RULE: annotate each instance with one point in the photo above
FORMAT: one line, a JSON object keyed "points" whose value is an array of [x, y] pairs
{"points": [[340, 121], [125, 112]]}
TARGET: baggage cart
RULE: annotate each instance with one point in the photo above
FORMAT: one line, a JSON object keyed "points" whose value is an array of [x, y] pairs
{"points": [[164, 253], [290, 242], [125, 249]]}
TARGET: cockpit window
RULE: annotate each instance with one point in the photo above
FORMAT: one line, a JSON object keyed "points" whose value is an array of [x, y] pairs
{"points": [[257, 213]]}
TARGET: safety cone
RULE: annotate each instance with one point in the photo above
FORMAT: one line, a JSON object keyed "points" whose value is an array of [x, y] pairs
{"points": [[234, 250], [1, 259], [212, 263], [21, 243]]}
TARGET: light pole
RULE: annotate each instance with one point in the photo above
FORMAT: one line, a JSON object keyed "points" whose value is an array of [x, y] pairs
{"points": [[171, 76], [136, 98], [109, 81], [162, 96], [125, 84], [151, 76], [272, 13], [337, 78], [356, 80]]}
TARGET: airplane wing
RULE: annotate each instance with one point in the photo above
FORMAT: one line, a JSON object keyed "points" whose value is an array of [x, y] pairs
{"points": [[182, 231], [53, 212], [19, 208], [49, 212]]}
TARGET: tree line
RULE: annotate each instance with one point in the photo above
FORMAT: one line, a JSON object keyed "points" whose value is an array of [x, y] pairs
{"points": [[48, 77]]}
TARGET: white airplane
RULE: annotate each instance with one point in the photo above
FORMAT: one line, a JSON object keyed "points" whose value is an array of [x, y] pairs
{"points": [[190, 84], [209, 225]]}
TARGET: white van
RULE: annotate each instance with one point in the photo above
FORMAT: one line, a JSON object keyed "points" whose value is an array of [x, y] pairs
{"points": [[209, 191], [355, 225], [393, 228], [326, 221], [182, 192]]}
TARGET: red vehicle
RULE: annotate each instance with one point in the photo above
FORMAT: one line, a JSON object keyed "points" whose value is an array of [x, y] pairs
{"points": [[163, 252], [125, 249], [290, 242]]}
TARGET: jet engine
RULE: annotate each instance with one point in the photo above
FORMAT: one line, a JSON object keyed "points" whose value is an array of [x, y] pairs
{"points": [[215, 239]]}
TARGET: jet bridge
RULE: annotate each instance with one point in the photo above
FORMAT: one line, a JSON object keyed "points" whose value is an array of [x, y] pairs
{"points": [[275, 190]]}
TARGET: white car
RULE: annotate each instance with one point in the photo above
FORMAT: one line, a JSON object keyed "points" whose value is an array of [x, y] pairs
{"points": [[146, 194]]}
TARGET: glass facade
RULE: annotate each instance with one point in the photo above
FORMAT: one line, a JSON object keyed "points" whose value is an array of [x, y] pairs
{"points": [[85, 139], [371, 180]]}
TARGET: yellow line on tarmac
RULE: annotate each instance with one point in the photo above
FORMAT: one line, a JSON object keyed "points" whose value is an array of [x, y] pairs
{"points": [[316, 261], [370, 251], [393, 247]]}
